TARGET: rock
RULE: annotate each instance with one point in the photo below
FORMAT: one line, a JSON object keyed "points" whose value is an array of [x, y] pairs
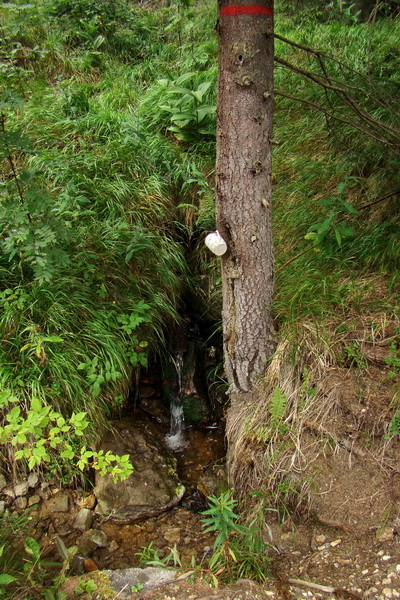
{"points": [[44, 491], [87, 501], [9, 493], [33, 480], [320, 539], [59, 503], [3, 482], [384, 534], [35, 499], [387, 593], [172, 535], [91, 540], [21, 489], [153, 487], [21, 502], [123, 580], [213, 482], [90, 565], [2, 507], [113, 546], [83, 519]]}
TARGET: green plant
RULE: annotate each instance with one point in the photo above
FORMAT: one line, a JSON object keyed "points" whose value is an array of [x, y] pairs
{"points": [[355, 356], [41, 430], [136, 588], [5, 579], [191, 119], [330, 232], [277, 410], [85, 587], [394, 359], [239, 550], [395, 424], [150, 556]]}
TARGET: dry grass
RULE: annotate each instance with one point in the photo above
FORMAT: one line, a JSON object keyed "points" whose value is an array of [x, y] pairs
{"points": [[320, 382]]}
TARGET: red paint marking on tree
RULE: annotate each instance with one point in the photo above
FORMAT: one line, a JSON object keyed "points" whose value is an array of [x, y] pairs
{"points": [[235, 10]]}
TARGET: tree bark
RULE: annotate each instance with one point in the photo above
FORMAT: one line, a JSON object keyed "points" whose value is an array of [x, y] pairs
{"points": [[243, 173]]}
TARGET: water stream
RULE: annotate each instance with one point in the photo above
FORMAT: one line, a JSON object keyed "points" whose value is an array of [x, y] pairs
{"points": [[175, 439]]}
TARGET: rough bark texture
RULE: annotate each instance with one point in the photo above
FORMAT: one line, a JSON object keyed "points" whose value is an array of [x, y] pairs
{"points": [[244, 129]]}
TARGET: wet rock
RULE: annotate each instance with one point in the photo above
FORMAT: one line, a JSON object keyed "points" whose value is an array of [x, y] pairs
{"points": [[21, 489], [83, 519], [213, 482], [153, 487]]}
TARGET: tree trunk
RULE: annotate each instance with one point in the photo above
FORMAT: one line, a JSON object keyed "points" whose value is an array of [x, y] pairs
{"points": [[244, 130]]}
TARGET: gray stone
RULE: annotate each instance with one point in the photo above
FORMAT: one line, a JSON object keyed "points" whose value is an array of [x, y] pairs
{"points": [[35, 499], [153, 487], [123, 580], [21, 502], [3, 482], [21, 489], [98, 537], [33, 480], [91, 540], [44, 491], [83, 519]]}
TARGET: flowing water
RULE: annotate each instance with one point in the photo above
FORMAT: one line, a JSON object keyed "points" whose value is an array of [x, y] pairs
{"points": [[175, 439]]}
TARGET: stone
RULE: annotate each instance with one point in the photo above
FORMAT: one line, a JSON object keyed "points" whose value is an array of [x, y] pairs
{"points": [[154, 486], [44, 491], [9, 493], [385, 534], [59, 503], [91, 540], [87, 501], [21, 502], [172, 535], [123, 580], [35, 499], [21, 488], [387, 593], [3, 482], [2, 507], [33, 480], [320, 539], [83, 520], [113, 547]]}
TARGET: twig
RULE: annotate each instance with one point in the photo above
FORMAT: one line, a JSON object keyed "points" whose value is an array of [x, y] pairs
{"points": [[343, 95], [313, 586]]}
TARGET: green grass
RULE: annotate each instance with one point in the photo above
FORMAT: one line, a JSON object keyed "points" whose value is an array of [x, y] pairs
{"points": [[133, 203]]}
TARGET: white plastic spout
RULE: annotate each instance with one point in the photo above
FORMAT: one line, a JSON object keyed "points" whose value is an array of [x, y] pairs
{"points": [[216, 243]]}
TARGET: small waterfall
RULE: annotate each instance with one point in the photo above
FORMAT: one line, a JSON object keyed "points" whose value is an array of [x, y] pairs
{"points": [[175, 439]]}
